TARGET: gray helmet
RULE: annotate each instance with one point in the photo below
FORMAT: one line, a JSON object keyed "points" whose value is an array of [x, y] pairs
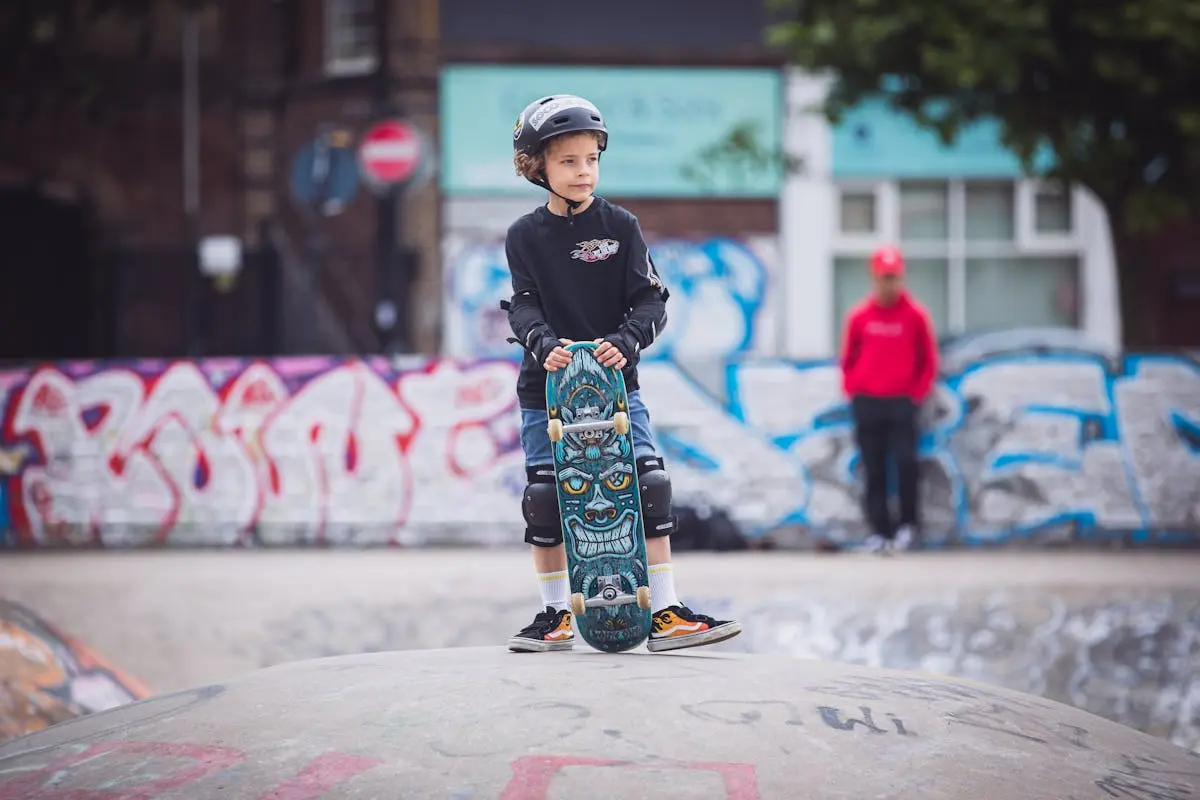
{"points": [[554, 115]]}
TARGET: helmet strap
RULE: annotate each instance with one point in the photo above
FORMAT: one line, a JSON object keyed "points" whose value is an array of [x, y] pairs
{"points": [[571, 204]]}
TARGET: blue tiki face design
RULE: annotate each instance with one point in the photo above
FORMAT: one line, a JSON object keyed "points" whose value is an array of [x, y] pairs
{"points": [[599, 501]]}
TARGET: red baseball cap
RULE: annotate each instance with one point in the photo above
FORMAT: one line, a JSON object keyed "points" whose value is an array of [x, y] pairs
{"points": [[887, 260]]}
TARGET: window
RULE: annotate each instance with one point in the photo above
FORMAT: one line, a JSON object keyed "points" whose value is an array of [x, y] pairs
{"points": [[924, 211], [991, 211], [350, 37], [1052, 211], [1020, 291], [982, 254], [857, 211]]}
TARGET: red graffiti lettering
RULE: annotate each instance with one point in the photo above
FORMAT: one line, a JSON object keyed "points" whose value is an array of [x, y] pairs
{"points": [[316, 778], [291, 451], [320, 776], [206, 760], [532, 775]]}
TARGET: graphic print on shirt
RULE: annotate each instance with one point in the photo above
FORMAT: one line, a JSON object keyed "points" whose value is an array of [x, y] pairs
{"points": [[594, 250], [878, 328]]}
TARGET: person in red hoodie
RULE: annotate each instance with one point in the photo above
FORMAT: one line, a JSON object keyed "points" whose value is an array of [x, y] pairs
{"points": [[889, 360]]}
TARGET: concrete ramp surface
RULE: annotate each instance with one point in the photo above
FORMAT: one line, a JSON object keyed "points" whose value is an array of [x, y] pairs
{"points": [[486, 723]]}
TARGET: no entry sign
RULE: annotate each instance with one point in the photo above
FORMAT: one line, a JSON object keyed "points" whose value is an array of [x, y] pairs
{"points": [[390, 152]]}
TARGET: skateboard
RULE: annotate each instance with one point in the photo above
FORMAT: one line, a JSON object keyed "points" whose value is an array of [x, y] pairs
{"points": [[587, 407]]}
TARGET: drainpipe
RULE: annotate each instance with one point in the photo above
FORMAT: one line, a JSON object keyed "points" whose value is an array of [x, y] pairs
{"points": [[197, 307]]}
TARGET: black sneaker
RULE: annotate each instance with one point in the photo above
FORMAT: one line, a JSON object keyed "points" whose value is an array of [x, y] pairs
{"points": [[679, 626], [550, 630]]}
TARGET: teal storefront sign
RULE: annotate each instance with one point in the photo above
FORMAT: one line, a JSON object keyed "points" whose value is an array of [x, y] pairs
{"points": [[873, 141], [663, 124]]}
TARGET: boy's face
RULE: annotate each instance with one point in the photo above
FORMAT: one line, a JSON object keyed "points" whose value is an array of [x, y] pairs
{"points": [[573, 165]]}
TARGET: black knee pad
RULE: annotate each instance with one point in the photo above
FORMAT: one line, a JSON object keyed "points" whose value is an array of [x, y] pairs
{"points": [[654, 484], [539, 506]]}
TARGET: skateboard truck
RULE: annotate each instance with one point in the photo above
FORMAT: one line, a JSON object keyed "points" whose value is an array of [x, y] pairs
{"points": [[556, 429], [610, 594]]}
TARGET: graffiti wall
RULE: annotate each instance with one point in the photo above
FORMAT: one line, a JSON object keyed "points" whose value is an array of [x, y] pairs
{"points": [[294, 451], [719, 299], [1015, 446], [46, 677], [1018, 446]]}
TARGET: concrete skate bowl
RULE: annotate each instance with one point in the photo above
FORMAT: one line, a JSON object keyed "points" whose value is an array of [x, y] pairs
{"points": [[1128, 654], [47, 676], [485, 723]]}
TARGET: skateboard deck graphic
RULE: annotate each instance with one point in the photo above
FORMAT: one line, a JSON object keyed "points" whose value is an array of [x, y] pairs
{"points": [[600, 502]]}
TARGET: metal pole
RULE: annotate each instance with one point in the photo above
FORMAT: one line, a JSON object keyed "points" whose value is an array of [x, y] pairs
{"points": [[191, 115], [196, 306], [392, 317]]}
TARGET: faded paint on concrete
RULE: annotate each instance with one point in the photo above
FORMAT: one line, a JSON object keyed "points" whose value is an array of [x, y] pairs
{"points": [[485, 723]]}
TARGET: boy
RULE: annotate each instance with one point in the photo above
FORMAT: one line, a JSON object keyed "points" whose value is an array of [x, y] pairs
{"points": [[581, 271], [889, 361]]}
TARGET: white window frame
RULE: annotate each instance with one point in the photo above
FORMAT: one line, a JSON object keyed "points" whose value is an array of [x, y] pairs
{"points": [[335, 14], [876, 189], [887, 217], [1028, 237], [956, 249]]}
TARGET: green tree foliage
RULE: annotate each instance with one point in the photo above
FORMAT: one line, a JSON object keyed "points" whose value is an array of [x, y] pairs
{"points": [[1109, 87], [740, 156]]}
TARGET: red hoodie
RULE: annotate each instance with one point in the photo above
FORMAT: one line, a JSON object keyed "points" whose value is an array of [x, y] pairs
{"points": [[889, 351]]}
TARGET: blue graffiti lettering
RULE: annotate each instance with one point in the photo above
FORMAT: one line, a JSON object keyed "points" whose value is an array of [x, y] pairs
{"points": [[718, 292], [1016, 446]]}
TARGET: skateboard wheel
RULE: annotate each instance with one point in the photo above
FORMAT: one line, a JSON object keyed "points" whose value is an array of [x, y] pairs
{"points": [[621, 423], [643, 595], [554, 429], [577, 604]]}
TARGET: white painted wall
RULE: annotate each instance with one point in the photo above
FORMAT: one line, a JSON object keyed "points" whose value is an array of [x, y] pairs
{"points": [[1101, 299], [807, 221]]}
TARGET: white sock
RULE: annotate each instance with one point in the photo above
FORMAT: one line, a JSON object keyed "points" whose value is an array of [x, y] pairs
{"points": [[662, 587], [555, 589]]}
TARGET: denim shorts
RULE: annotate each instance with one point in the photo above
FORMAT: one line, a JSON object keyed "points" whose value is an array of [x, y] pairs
{"points": [[536, 442]]}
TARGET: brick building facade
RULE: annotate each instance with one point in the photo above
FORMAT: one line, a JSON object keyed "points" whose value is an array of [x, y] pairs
{"points": [[270, 75]]}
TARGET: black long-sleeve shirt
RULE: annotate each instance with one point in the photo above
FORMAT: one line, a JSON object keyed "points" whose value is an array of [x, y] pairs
{"points": [[582, 279]]}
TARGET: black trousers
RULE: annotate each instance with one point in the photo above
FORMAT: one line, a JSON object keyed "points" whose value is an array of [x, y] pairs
{"points": [[883, 427]]}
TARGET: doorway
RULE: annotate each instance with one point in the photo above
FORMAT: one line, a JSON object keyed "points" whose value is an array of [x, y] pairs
{"points": [[51, 304], [1181, 311]]}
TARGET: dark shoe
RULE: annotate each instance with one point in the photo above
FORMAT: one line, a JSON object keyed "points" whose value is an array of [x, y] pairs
{"points": [[550, 630], [678, 626]]}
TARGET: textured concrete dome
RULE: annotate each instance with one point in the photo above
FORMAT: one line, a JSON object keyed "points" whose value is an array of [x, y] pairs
{"points": [[486, 723]]}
